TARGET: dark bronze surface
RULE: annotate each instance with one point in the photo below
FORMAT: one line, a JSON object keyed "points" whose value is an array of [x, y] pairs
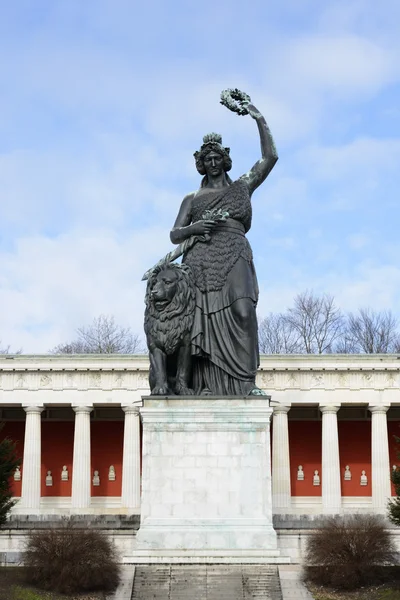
{"points": [[221, 349]]}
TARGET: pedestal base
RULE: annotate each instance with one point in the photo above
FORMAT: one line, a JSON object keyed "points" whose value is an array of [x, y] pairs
{"points": [[206, 535], [206, 481], [202, 557]]}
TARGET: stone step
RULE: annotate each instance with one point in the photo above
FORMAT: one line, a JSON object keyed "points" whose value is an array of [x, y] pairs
{"points": [[206, 582]]}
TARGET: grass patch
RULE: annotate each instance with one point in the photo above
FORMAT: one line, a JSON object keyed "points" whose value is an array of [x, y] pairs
{"points": [[20, 593], [382, 592]]}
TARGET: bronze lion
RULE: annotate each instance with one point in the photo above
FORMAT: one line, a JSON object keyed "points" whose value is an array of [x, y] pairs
{"points": [[169, 314]]}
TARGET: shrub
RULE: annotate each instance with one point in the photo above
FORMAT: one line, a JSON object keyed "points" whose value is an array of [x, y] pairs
{"points": [[69, 560], [394, 505], [346, 552]]}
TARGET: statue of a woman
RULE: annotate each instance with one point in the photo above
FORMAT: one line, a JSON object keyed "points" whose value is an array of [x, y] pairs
{"points": [[224, 336]]}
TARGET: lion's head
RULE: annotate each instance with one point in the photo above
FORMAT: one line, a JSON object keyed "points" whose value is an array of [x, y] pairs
{"points": [[170, 302]]}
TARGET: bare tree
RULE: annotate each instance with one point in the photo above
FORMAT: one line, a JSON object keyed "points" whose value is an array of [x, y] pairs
{"points": [[345, 345], [371, 332], [103, 336], [4, 349], [275, 336], [317, 322], [7, 349]]}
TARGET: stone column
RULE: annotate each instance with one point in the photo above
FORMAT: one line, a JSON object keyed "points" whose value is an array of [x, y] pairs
{"points": [[131, 458], [381, 489], [331, 492], [31, 464], [280, 459], [81, 476]]}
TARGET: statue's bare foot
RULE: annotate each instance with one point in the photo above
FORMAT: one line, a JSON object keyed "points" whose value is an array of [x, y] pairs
{"points": [[183, 390], [206, 392], [257, 392]]}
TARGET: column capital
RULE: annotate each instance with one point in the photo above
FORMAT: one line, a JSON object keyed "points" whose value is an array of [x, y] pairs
{"points": [[378, 408], [329, 408], [281, 409], [82, 409], [33, 409], [132, 409]]}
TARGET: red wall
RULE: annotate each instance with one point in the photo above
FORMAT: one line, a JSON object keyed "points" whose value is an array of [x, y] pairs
{"points": [[355, 451], [16, 431], [107, 439], [305, 439], [57, 450], [394, 447]]}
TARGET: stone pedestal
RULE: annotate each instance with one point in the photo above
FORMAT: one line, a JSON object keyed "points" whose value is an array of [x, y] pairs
{"points": [[206, 480]]}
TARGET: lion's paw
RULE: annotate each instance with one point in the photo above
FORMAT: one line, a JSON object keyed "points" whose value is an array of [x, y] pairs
{"points": [[160, 390]]}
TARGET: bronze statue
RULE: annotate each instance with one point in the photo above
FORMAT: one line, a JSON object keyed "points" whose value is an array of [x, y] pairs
{"points": [[168, 321], [210, 229]]}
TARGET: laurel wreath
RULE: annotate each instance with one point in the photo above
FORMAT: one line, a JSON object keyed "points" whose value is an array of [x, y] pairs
{"points": [[215, 215], [234, 99]]}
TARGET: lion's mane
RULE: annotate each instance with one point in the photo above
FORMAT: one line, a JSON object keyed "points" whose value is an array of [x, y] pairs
{"points": [[166, 328]]}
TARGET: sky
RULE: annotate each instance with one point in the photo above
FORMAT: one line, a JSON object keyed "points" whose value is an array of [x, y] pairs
{"points": [[102, 104]]}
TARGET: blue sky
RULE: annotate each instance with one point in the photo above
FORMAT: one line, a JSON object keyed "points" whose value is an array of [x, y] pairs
{"points": [[102, 104]]}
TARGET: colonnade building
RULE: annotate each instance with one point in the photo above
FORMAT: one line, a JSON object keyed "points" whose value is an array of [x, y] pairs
{"points": [[77, 426]]}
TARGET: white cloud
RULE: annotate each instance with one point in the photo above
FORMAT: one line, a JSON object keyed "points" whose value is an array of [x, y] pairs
{"points": [[377, 286], [358, 241], [368, 157], [51, 286], [342, 64], [365, 285]]}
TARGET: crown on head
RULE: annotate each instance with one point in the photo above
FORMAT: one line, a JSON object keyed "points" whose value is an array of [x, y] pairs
{"points": [[211, 141]]}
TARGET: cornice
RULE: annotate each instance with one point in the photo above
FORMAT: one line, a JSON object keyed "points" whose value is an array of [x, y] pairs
{"points": [[71, 374]]}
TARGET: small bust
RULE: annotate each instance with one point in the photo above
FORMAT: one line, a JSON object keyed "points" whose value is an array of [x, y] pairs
{"points": [[347, 473], [49, 478], [96, 478], [394, 467], [111, 473], [316, 478], [300, 473], [64, 473], [364, 478], [17, 474]]}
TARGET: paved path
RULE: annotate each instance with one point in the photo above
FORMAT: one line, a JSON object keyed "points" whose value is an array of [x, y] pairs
{"points": [[291, 583]]}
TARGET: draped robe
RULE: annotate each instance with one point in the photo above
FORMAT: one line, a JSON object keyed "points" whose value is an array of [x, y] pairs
{"points": [[224, 347]]}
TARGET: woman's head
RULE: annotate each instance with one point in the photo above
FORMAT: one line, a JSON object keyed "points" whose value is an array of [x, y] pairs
{"points": [[212, 144]]}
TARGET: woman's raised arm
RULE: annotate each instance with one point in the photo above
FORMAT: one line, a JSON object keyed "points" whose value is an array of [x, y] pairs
{"points": [[259, 172]]}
